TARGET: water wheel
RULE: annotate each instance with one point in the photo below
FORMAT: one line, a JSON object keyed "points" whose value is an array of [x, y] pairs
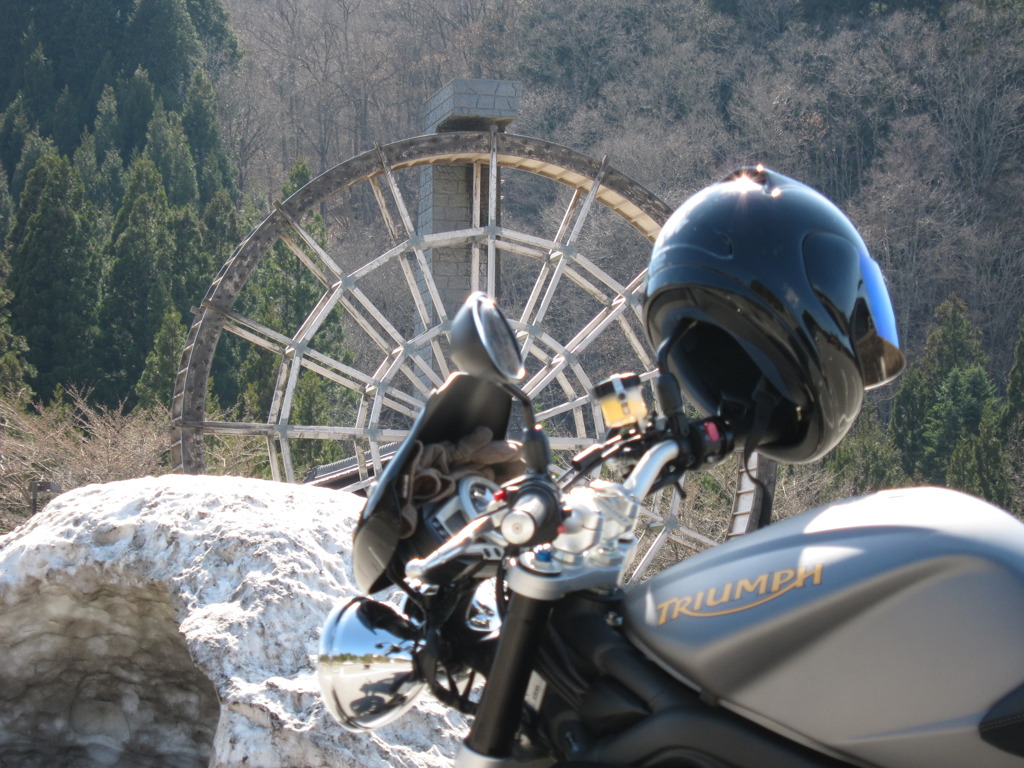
{"points": [[561, 239]]}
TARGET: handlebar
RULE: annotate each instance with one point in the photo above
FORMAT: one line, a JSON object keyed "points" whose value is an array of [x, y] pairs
{"points": [[533, 518], [535, 512]]}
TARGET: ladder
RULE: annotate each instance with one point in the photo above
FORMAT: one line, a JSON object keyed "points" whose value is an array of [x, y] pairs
{"points": [[752, 502]]}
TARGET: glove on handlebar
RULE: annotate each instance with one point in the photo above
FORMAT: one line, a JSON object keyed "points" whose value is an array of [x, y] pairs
{"points": [[434, 469]]}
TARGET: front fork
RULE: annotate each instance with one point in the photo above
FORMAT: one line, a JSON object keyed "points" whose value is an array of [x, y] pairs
{"points": [[493, 733]]}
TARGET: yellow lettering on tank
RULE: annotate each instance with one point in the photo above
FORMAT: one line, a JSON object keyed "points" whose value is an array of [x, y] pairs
{"points": [[740, 595], [714, 600], [758, 586], [810, 572], [781, 579], [682, 606], [662, 609]]}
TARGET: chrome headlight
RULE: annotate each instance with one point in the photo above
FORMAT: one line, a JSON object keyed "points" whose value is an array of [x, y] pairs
{"points": [[366, 668]]}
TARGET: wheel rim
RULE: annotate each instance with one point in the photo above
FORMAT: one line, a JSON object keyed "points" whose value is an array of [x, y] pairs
{"points": [[570, 343]]}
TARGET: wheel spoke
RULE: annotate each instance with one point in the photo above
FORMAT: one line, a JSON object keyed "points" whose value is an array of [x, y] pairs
{"points": [[385, 309], [422, 273], [568, 353], [309, 240], [304, 258], [561, 258], [385, 213], [474, 254]]}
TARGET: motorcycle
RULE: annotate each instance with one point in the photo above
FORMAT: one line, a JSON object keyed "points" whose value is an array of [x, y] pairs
{"points": [[877, 631]]}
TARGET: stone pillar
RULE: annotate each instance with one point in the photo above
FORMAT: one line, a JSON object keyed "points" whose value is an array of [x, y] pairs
{"points": [[446, 191]]}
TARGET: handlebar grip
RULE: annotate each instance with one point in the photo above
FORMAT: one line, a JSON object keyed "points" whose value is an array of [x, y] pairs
{"points": [[535, 515]]}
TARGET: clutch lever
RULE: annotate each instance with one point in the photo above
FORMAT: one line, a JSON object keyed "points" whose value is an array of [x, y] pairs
{"points": [[466, 551]]}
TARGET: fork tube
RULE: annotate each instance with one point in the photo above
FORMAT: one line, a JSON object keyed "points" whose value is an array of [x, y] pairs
{"points": [[500, 710]]}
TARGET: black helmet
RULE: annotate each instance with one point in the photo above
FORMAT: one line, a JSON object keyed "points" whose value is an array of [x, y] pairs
{"points": [[771, 312]]}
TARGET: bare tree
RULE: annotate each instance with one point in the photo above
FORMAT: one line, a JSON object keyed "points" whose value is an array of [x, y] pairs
{"points": [[973, 79], [246, 125], [769, 17]]}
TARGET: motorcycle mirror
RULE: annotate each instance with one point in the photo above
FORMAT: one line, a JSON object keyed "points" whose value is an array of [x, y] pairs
{"points": [[366, 669], [484, 345], [483, 342]]}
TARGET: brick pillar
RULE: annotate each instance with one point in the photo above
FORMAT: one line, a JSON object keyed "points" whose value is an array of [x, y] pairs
{"points": [[446, 192]]}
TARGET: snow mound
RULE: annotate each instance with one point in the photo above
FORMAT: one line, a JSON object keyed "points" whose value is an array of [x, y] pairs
{"points": [[175, 621]]}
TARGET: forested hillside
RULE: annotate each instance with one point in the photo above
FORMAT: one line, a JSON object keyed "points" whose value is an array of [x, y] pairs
{"points": [[139, 139], [118, 199]]}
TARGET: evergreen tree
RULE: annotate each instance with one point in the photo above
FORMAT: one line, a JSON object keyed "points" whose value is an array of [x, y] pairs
{"points": [[163, 41], [55, 275], [979, 466], [107, 126], [96, 39], [110, 183], [65, 127], [6, 206], [136, 101], [38, 87], [156, 384], [14, 127], [1015, 386], [167, 147], [1011, 429], [963, 397], [32, 150], [867, 459], [102, 78], [84, 160], [199, 119], [191, 268], [139, 253], [908, 413], [212, 24], [17, 19], [223, 229], [953, 342], [14, 371]]}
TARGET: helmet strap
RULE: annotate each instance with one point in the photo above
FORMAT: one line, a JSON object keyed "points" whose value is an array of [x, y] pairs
{"points": [[670, 399], [765, 398], [668, 344]]}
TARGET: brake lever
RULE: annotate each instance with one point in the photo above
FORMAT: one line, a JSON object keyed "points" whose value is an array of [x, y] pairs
{"points": [[469, 548]]}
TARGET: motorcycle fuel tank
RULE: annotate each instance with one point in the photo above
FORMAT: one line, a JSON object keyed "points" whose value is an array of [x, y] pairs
{"points": [[883, 629]]}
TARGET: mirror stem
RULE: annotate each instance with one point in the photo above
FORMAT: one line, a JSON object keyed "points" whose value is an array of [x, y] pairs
{"points": [[536, 448]]}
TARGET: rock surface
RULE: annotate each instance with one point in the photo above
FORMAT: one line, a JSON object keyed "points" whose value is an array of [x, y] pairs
{"points": [[175, 621]]}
